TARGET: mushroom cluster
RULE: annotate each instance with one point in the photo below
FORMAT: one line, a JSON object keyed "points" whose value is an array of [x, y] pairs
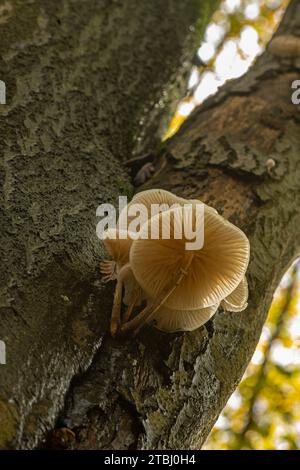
{"points": [[181, 288]]}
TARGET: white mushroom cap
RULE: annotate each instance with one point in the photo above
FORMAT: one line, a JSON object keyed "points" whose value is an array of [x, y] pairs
{"points": [[148, 198], [159, 197], [117, 243], [156, 196], [215, 270], [237, 300], [170, 320]]}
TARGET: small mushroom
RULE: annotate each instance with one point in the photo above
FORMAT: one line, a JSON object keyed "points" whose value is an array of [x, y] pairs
{"points": [[270, 164]]}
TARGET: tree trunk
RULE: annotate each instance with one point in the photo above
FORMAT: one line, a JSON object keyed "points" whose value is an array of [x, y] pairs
{"points": [[83, 80], [165, 391]]}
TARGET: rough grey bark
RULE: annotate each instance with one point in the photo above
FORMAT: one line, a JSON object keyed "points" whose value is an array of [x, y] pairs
{"points": [[84, 78], [163, 391]]}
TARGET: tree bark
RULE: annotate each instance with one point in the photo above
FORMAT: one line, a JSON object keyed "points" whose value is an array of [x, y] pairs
{"points": [[83, 80], [165, 391]]}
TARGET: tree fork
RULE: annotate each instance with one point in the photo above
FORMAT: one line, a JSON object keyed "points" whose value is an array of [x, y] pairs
{"points": [[165, 391]]}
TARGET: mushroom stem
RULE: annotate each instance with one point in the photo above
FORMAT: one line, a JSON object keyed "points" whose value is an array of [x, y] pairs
{"points": [[137, 322], [131, 306], [116, 309], [147, 314]]}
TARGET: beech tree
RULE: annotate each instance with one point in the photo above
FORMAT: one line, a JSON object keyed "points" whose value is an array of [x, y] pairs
{"points": [[89, 86]]}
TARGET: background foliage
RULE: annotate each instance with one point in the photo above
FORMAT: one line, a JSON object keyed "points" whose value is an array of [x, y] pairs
{"points": [[238, 32], [264, 411]]}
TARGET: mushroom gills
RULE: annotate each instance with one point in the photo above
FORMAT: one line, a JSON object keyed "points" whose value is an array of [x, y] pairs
{"points": [[216, 270], [147, 314], [166, 319], [237, 300]]}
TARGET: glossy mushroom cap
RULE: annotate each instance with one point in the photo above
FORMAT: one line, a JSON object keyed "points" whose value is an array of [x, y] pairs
{"points": [[159, 197], [214, 271], [156, 196]]}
